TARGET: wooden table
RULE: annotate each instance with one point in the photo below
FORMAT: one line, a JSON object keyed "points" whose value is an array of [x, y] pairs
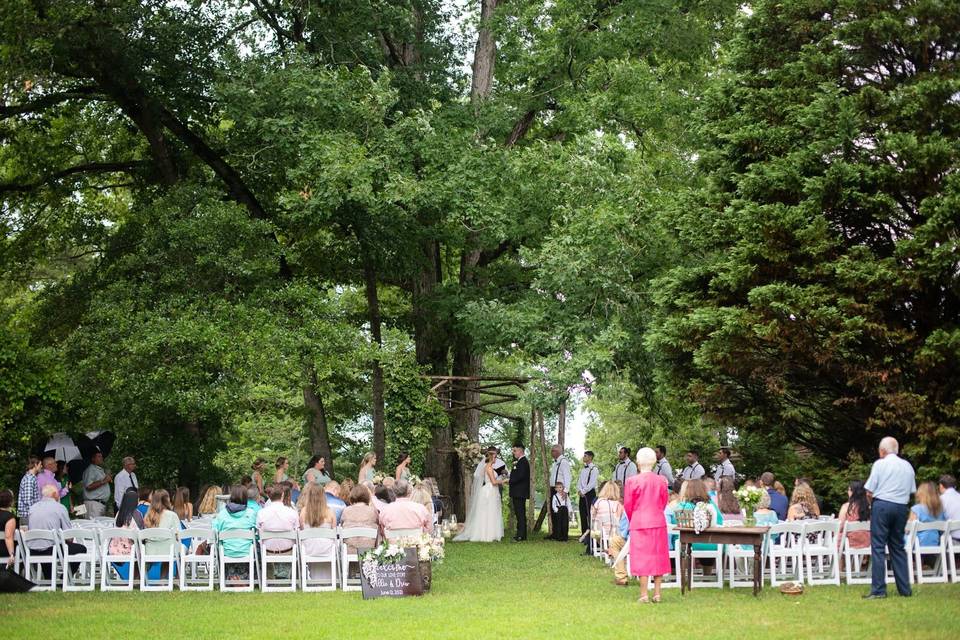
{"points": [[721, 535]]}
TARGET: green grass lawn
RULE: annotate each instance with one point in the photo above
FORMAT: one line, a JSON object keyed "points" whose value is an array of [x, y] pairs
{"points": [[529, 590]]}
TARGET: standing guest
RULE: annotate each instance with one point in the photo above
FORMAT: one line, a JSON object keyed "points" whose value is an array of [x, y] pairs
{"points": [[315, 513], [950, 499], [48, 476], [276, 516], [560, 474], [519, 491], [778, 501], [587, 492], [257, 476], [724, 466], [403, 513], [346, 487], [182, 505], [316, 471], [208, 500], [332, 489], [125, 479], [927, 509], [360, 514], [890, 484], [64, 479], [694, 470], [367, 467], [644, 500], [855, 509], [663, 468], [253, 499], [726, 501], [625, 466], [128, 517], [236, 516], [29, 493], [560, 512], [96, 487], [160, 515], [50, 515], [9, 524], [282, 473], [402, 472]]}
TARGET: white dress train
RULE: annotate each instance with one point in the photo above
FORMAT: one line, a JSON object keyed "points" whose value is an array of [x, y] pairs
{"points": [[485, 517]]}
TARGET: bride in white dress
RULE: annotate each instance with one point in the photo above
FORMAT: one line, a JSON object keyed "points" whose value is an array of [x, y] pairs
{"points": [[485, 516]]}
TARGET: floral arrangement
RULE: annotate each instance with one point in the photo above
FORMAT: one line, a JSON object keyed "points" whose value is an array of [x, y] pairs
{"points": [[378, 478], [414, 480], [429, 548], [749, 498], [702, 516], [467, 450], [385, 553]]}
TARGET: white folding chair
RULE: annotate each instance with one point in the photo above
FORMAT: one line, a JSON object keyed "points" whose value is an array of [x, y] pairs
{"points": [[953, 546], [309, 581], [624, 555], [347, 558], [104, 521], [88, 559], [398, 534], [940, 569], [820, 549], [107, 580], [166, 557], [249, 559], [197, 570], [853, 556], [268, 558], [785, 551], [706, 580], [740, 564], [672, 580], [34, 563], [908, 534]]}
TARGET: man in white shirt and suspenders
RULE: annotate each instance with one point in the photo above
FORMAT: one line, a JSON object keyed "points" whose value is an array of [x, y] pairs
{"points": [[559, 473], [625, 468], [587, 490]]}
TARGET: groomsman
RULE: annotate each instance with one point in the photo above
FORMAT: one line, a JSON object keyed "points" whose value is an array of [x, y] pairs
{"points": [[694, 470], [560, 474], [520, 491], [625, 468], [587, 489], [663, 468], [724, 466]]}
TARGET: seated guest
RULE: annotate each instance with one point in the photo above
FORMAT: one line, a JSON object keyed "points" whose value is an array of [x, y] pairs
{"points": [[950, 500], [855, 509], [801, 480], [9, 524], [711, 486], [727, 502], [182, 504], [431, 485], [143, 502], [345, 488], [128, 517], [332, 489], [208, 500], [764, 515], [236, 516], [803, 504], [779, 488], [606, 510], [253, 498], [359, 514], [276, 516], [778, 501], [288, 489], [404, 513], [315, 513], [160, 515], [420, 495], [389, 482], [618, 539], [692, 493], [927, 509], [382, 496], [49, 514]]}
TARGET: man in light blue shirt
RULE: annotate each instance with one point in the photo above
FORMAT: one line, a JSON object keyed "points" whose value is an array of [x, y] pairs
{"points": [[890, 484], [950, 500]]}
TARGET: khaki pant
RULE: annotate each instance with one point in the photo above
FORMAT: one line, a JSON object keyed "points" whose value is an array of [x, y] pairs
{"points": [[614, 549], [94, 509]]}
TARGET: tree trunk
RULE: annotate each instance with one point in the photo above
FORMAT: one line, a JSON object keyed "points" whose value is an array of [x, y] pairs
{"points": [[317, 419], [484, 54], [377, 386]]}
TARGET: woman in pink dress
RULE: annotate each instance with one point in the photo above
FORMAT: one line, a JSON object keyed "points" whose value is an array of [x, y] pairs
{"points": [[644, 499]]}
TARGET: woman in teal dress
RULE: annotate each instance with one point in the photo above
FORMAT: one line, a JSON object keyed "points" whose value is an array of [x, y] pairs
{"points": [[693, 493], [403, 467], [367, 468], [316, 471]]}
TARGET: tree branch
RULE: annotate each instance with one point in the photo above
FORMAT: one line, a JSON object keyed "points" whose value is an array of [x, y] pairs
{"points": [[50, 100], [87, 168]]}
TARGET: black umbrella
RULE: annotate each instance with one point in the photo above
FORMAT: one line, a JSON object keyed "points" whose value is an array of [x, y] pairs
{"points": [[89, 444]]}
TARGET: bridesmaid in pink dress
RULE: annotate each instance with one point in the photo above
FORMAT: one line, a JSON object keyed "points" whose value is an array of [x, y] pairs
{"points": [[644, 499]]}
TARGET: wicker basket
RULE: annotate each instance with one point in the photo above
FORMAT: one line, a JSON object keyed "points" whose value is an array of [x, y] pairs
{"points": [[791, 589], [684, 518]]}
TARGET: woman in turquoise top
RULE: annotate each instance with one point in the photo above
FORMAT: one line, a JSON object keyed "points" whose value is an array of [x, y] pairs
{"points": [[764, 515], [692, 493], [403, 467], [367, 468], [927, 509]]}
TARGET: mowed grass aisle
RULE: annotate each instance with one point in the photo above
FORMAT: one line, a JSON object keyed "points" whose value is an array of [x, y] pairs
{"points": [[529, 590]]}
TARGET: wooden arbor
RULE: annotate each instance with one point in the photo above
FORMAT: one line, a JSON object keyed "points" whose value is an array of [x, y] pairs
{"points": [[479, 393]]}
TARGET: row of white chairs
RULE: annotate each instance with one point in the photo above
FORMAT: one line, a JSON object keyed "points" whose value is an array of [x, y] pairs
{"points": [[182, 562], [808, 552]]}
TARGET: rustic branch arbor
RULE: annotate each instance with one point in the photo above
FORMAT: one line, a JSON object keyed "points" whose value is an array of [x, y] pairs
{"points": [[485, 394]]}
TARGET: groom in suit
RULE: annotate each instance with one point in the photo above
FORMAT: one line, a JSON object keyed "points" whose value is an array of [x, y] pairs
{"points": [[520, 491]]}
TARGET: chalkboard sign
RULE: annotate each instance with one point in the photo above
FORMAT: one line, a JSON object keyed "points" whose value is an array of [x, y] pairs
{"points": [[393, 580]]}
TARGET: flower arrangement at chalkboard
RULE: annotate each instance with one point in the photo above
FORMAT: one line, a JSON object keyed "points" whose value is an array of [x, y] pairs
{"points": [[385, 553], [749, 498], [429, 548]]}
